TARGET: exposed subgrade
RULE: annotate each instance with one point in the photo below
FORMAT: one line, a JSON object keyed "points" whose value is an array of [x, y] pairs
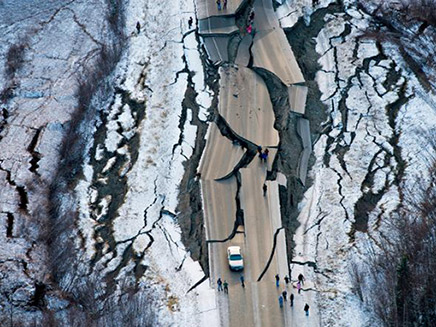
{"points": [[189, 208], [110, 171], [370, 199]]}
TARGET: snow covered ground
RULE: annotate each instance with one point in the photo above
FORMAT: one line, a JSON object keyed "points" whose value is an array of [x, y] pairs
{"points": [[127, 198], [151, 73], [378, 113]]}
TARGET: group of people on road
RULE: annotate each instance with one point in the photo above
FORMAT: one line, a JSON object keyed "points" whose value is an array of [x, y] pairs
{"points": [[283, 297], [223, 2], [224, 286]]}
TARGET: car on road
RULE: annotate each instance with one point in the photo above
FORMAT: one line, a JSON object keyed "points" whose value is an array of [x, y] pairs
{"points": [[234, 256]]}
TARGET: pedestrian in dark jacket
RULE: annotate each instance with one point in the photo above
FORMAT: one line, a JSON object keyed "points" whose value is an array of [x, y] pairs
{"points": [[190, 21], [277, 280], [225, 4], [264, 188], [226, 287], [301, 279], [218, 4], [306, 309], [219, 282], [291, 298], [242, 280], [285, 294], [138, 27], [281, 301], [286, 279]]}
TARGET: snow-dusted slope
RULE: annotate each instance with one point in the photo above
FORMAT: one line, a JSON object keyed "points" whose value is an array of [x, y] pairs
{"points": [[370, 152], [115, 224]]}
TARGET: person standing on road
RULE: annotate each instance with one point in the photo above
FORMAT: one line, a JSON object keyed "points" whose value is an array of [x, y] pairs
{"points": [[218, 4], [301, 279], [190, 21], [226, 287], [138, 27], [242, 280], [219, 282], [264, 155], [291, 299], [264, 188], [251, 16], [249, 29], [281, 301], [277, 280], [286, 280], [306, 309], [225, 4], [285, 294], [299, 287]]}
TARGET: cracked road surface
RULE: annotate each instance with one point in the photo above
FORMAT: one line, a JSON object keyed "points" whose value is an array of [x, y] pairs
{"points": [[209, 8], [271, 50], [257, 304], [236, 209]]}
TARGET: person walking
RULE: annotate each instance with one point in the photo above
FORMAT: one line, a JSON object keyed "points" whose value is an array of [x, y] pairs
{"points": [[249, 29], [286, 280], [291, 299], [306, 309], [281, 301], [264, 188], [242, 281], [190, 21], [226, 287], [225, 4], [219, 282], [299, 287], [218, 4], [301, 279], [277, 280], [265, 153], [251, 16], [138, 27], [285, 294]]}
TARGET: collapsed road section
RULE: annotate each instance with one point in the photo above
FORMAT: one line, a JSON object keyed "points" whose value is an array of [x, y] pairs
{"points": [[241, 205]]}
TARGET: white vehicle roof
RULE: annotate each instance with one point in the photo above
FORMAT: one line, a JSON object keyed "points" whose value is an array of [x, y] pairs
{"points": [[234, 249]]}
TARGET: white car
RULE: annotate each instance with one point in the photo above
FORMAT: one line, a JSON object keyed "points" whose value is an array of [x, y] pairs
{"points": [[236, 261]]}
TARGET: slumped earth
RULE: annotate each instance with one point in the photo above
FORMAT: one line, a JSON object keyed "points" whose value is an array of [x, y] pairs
{"points": [[102, 130]]}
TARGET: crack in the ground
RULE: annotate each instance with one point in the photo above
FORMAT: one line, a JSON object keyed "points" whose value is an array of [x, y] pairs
{"points": [[268, 263], [204, 278], [36, 156], [10, 224], [21, 190], [339, 182]]}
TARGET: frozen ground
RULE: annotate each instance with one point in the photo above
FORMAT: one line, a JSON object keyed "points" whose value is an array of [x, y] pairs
{"points": [[152, 74], [127, 197], [372, 150], [127, 228]]}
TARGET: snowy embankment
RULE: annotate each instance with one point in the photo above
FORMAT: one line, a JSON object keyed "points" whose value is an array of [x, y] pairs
{"points": [[142, 233], [371, 151]]}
